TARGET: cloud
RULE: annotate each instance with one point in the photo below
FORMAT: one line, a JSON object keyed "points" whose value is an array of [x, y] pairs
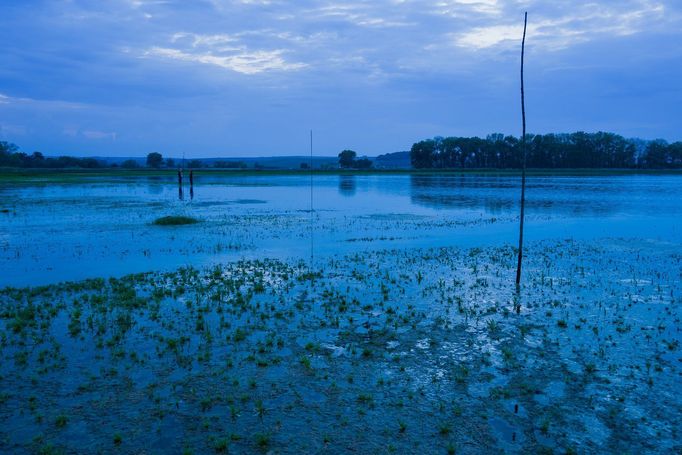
{"points": [[240, 61], [215, 74], [458, 8], [40, 103], [8, 130], [217, 42], [574, 25], [359, 14], [225, 51], [94, 134]]}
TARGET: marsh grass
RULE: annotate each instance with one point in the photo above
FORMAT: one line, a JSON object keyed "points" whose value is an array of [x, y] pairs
{"points": [[406, 364], [175, 220]]}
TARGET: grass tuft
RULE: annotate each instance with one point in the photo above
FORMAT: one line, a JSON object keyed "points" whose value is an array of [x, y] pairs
{"points": [[175, 220]]}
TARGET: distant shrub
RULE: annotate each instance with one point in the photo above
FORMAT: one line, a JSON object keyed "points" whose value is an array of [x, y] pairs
{"points": [[130, 164]]}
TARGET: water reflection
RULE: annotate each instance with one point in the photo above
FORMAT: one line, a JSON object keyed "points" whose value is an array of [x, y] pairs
{"points": [[495, 195], [347, 185], [263, 212], [155, 188], [571, 196]]}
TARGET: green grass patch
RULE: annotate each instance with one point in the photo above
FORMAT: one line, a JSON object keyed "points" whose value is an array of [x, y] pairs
{"points": [[36, 176], [175, 220]]}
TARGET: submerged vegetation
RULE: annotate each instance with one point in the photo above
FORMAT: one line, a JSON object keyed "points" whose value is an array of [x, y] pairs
{"points": [[417, 350], [407, 335]]}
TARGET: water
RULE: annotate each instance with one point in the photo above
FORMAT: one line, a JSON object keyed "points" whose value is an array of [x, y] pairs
{"points": [[51, 232], [397, 344]]}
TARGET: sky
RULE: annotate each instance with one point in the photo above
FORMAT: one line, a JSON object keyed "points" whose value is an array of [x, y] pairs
{"points": [[239, 78]]}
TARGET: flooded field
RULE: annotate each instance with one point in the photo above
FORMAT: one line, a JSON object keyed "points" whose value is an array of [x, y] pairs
{"points": [[406, 335], [102, 227]]}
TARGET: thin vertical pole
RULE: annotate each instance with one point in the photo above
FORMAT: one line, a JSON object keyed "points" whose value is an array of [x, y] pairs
{"points": [[523, 157]]}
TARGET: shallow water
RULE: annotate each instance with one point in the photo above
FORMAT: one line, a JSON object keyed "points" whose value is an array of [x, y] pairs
{"points": [[102, 227], [409, 337]]}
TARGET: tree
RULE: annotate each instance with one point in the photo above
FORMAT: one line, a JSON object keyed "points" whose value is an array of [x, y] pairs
{"points": [[8, 154], [362, 163], [423, 153], [7, 147], [170, 162], [657, 154], [130, 164], [675, 154], [347, 158], [154, 160]]}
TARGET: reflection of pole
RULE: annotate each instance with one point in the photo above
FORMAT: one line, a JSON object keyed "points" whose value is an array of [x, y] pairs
{"points": [[191, 185], [523, 158], [312, 257]]}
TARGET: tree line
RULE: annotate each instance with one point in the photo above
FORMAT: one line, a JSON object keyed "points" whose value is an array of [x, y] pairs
{"points": [[549, 151], [10, 156]]}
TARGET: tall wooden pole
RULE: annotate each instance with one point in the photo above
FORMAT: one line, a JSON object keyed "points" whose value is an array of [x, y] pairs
{"points": [[523, 157]]}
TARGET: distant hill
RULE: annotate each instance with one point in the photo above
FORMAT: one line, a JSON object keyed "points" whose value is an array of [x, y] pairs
{"points": [[397, 160], [279, 162]]}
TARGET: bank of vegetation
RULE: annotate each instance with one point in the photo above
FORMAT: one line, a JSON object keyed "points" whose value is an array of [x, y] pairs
{"points": [[549, 151], [499, 152]]}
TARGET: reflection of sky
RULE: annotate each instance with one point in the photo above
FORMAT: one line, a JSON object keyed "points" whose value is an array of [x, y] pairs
{"points": [[251, 77], [495, 195], [73, 231]]}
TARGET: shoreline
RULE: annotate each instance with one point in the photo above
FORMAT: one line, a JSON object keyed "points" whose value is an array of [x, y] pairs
{"points": [[10, 175]]}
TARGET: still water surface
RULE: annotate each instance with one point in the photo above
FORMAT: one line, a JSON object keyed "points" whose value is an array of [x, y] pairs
{"points": [[103, 226]]}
